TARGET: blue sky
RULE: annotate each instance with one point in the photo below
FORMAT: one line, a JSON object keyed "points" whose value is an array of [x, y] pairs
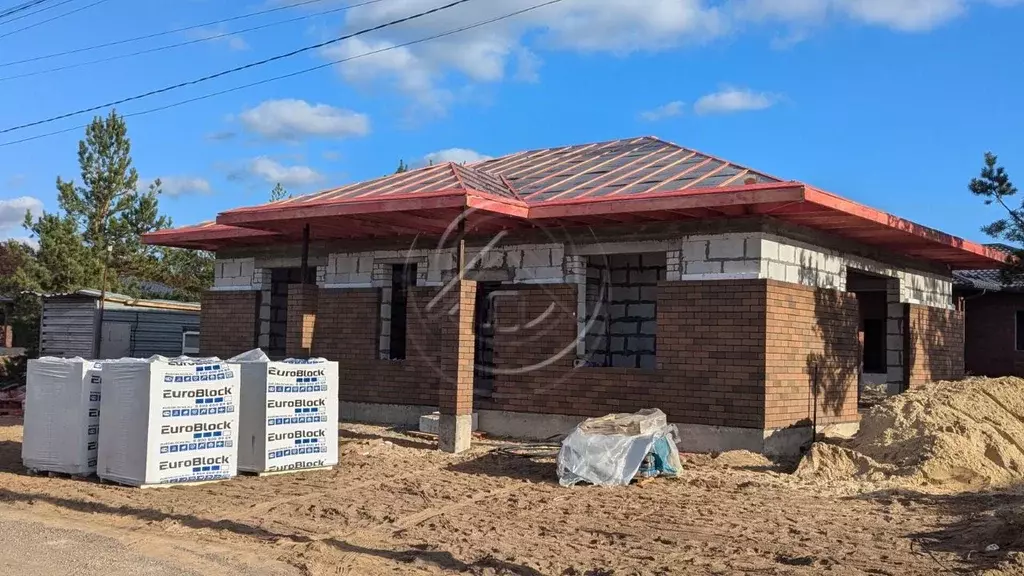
{"points": [[888, 102]]}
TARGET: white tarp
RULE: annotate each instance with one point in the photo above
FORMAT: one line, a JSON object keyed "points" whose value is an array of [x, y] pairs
{"points": [[168, 421], [289, 414], [610, 451], [62, 412]]}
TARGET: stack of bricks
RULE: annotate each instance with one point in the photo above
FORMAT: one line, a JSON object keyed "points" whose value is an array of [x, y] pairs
{"points": [[302, 319], [934, 344], [228, 323], [458, 350], [812, 354]]}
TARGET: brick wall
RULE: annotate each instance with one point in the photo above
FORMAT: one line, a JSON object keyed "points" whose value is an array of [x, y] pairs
{"points": [[346, 331], [934, 344], [812, 354], [710, 356], [227, 324], [990, 335]]}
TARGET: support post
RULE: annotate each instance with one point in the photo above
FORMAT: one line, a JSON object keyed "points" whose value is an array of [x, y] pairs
{"points": [[458, 351], [305, 254]]}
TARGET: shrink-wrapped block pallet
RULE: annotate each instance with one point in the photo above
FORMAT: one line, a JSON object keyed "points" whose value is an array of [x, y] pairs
{"points": [[62, 414], [289, 415], [166, 422]]}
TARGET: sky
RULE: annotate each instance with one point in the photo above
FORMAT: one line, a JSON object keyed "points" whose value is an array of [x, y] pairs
{"points": [[891, 103]]}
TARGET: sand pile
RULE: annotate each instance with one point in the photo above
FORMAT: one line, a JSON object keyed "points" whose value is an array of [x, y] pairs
{"points": [[952, 434], [743, 459]]}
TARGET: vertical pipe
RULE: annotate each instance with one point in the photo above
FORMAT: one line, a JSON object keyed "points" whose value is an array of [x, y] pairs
{"points": [[305, 254], [460, 248]]}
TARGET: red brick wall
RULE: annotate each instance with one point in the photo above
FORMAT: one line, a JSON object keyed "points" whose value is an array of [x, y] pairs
{"points": [[990, 335], [227, 324], [934, 345], [812, 354], [347, 331], [710, 351], [301, 323]]}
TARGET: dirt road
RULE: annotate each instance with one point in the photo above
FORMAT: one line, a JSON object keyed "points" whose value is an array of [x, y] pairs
{"points": [[397, 506]]}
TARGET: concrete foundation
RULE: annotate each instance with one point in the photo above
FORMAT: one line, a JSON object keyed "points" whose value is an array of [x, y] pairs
{"points": [[531, 426], [429, 422], [454, 432], [404, 415]]}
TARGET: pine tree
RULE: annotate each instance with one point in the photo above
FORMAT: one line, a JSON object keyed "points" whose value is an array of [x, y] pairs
{"points": [[100, 221], [278, 193], [994, 186], [402, 167]]}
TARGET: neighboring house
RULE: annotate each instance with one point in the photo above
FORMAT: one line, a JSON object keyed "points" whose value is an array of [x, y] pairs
{"points": [[603, 277], [995, 323], [75, 325]]}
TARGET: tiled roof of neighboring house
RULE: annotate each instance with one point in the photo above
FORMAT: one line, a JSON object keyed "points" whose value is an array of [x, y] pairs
{"points": [[628, 181], [984, 280]]}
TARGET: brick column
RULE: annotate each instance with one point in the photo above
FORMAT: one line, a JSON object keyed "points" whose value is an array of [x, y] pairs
{"points": [[457, 360], [6, 336], [302, 305]]}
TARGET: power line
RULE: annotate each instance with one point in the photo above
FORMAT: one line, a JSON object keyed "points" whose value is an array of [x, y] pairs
{"points": [[52, 18], [185, 43], [237, 68], [158, 34], [24, 6], [296, 73]]}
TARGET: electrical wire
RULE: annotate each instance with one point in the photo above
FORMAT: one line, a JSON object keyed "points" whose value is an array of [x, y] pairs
{"points": [[159, 34], [296, 73], [52, 18], [237, 68], [187, 42], [25, 6]]}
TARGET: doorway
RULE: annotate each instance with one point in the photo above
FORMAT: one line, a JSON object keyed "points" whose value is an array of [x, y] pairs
{"points": [[484, 330], [277, 296], [872, 302]]}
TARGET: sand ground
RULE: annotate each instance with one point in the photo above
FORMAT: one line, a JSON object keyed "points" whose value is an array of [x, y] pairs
{"points": [[397, 506]]}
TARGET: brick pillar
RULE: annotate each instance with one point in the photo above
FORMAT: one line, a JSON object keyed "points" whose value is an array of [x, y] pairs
{"points": [[6, 336], [457, 360], [302, 305]]}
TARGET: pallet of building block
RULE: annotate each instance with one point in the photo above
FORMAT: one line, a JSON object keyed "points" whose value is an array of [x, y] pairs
{"points": [[62, 409], [168, 422], [635, 424], [289, 416]]}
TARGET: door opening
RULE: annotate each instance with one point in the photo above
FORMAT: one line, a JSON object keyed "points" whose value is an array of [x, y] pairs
{"points": [[484, 329]]}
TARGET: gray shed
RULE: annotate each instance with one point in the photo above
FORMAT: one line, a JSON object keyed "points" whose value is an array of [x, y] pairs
{"points": [[131, 327]]}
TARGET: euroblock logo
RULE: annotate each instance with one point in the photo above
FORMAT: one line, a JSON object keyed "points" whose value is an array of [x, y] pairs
{"points": [[197, 427], [195, 462], [297, 435], [298, 373], [198, 393], [300, 403], [299, 465]]}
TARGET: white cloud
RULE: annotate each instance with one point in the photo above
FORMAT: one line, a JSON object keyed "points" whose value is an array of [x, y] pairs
{"points": [[272, 172], [670, 110], [182, 185], [293, 120], [457, 155], [433, 73], [12, 213], [730, 100]]}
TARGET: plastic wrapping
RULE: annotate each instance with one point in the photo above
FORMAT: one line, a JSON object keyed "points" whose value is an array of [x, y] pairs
{"points": [[599, 453], [168, 421], [62, 411], [289, 414]]}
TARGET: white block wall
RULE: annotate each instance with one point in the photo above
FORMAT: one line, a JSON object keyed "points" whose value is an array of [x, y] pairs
{"points": [[765, 256], [237, 274]]}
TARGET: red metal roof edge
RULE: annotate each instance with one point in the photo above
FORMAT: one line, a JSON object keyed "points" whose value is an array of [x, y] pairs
{"points": [[230, 224], [836, 202]]}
